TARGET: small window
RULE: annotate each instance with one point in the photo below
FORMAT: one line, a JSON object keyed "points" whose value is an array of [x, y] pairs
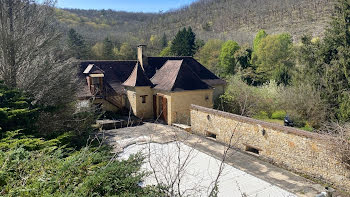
{"points": [[252, 150], [143, 98], [206, 97], [211, 135], [95, 80]]}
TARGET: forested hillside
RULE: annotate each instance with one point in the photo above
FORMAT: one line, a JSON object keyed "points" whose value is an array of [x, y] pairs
{"points": [[238, 20]]}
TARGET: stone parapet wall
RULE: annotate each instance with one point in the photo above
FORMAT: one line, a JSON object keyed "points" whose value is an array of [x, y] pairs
{"points": [[301, 151]]}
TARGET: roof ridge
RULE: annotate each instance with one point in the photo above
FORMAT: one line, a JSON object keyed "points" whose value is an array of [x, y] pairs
{"points": [[138, 78], [169, 56], [107, 60]]}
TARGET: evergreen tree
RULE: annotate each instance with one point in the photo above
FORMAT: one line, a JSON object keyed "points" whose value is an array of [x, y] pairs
{"points": [[164, 41], [108, 47], [326, 63], [335, 53], [76, 45], [184, 43]]}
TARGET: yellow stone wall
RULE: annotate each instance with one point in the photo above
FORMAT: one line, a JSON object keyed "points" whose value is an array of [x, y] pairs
{"points": [[131, 96], [179, 111], [301, 151], [139, 109]]}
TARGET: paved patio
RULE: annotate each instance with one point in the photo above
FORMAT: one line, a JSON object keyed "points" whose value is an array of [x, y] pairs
{"points": [[123, 138]]}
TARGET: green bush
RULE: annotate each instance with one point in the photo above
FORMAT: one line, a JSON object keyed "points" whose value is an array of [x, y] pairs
{"points": [[280, 115], [344, 108], [261, 115], [59, 166], [16, 112], [307, 127], [87, 172]]}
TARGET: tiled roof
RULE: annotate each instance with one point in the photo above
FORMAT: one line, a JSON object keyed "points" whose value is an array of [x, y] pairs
{"points": [[176, 75], [138, 78], [155, 63], [115, 73]]}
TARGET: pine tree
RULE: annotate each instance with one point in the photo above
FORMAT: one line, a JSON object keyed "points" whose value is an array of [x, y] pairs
{"points": [[184, 43], [164, 41], [76, 45], [335, 53], [108, 49]]}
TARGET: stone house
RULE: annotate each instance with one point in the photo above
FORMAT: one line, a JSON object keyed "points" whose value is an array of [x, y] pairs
{"points": [[150, 87]]}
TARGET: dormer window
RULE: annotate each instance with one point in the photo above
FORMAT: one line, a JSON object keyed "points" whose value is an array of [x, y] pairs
{"points": [[96, 85], [95, 80]]}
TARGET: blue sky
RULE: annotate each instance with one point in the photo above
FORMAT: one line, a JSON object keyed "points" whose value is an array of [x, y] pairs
{"points": [[125, 5]]}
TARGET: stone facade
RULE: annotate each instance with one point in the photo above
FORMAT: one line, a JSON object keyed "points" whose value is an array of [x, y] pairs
{"points": [[179, 103], [301, 151], [141, 101]]}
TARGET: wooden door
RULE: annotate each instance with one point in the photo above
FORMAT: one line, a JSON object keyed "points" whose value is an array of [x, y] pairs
{"points": [[165, 109], [154, 107]]}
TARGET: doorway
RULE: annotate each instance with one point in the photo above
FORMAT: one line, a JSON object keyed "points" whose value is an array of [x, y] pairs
{"points": [[161, 108]]}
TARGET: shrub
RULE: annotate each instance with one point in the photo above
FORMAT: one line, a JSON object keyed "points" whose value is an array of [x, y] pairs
{"points": [[344, 108], [16, 112], [262, 115], [87, 172], [280, 115], [240, 98], [303, 103]]}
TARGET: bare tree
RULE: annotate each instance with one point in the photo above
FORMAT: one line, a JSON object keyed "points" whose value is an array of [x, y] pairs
{"points": [[340, 142], [31, 57]]}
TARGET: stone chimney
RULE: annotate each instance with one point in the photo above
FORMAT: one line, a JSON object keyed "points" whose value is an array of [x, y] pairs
{"points": [[141, 57]]}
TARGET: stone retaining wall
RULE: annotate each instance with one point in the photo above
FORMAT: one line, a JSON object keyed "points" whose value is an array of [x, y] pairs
{"points": [[298, 150]]}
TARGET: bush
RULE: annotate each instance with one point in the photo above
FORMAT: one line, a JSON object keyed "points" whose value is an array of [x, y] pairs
{"points": [[16, 112], [33, 166], [303, 103], [344, 108], [240, 98], [280, 115], [261, 115], [87, 172]]}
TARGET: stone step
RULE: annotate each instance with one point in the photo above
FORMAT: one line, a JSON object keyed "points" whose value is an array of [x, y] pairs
{"points": [[182, 126], [116, 124]]}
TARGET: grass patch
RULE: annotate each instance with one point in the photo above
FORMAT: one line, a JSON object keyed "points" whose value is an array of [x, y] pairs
{"points": [[280, 122], [279, 115]]}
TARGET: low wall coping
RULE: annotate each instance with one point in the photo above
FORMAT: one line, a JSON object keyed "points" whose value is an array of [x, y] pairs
{"points": [[284, 129]]}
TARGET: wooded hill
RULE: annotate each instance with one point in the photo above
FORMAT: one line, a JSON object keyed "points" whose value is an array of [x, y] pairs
{"points": [[222, 19]]}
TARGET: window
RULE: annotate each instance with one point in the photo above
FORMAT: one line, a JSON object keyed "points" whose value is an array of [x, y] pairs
{"points": [[95, 80], [143, 98], [252, 150], [211, 135]]}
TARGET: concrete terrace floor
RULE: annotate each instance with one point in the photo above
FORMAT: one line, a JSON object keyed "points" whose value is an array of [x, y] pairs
{"points": [[158, 133]]}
